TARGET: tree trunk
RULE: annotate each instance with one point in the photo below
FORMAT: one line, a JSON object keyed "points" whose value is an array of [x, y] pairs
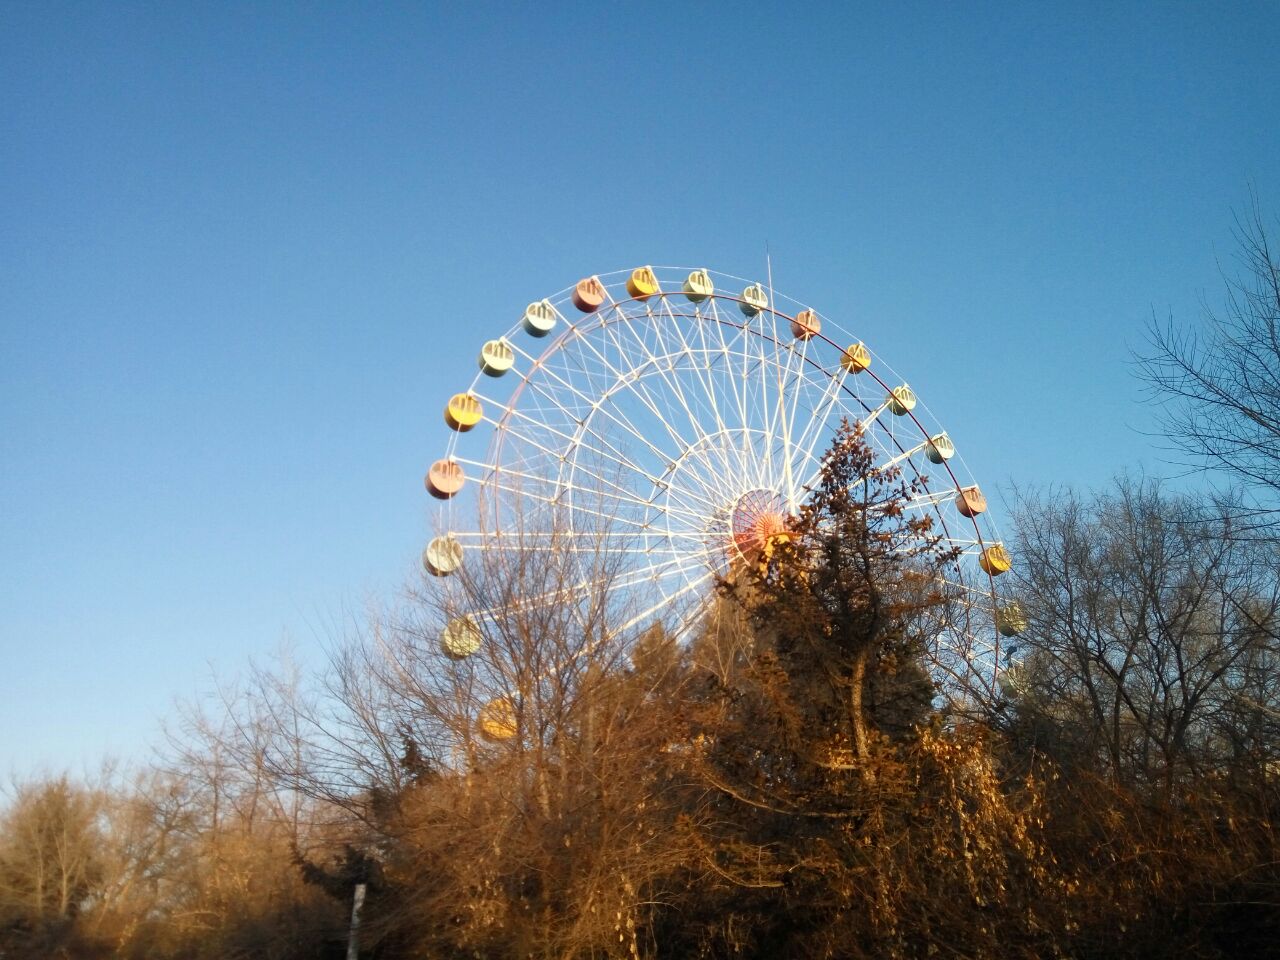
{"points": [[861, 742]]}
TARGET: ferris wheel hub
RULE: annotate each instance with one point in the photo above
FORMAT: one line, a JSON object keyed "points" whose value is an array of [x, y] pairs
{"points": [[759, 522]]}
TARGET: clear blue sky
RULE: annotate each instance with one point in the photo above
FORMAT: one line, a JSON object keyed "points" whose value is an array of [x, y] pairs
{"points": [[246, 250]]}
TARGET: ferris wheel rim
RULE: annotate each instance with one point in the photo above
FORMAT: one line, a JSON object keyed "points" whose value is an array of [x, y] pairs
{"points": [[706, 310], [570, 326]]}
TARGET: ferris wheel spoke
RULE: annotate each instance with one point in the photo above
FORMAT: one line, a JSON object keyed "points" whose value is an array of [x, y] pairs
{"points": [[580, 587], [608, 410], [615, 372], [652, 360], [816, 430], [647, 542], [666, 602], [931, 500], [894, 458], [987, 597], [668, 320], [794, 384], [749, 335], [548, 598], [635, 384], [873, 415], [613, 455], [776, 424], [498, 476], [544, 539], [635, 381], [772, 375], [658, 483], [705, 372], [560, 486], [729, 373], [524, 494], [763, 456], [700, 371]]}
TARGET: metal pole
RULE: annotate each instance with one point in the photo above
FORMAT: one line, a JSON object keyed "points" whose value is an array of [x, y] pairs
{"points": [[353, 941]]}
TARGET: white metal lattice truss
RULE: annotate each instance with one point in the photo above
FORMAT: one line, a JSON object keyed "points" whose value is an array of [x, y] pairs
{"points": [[660, 415]]}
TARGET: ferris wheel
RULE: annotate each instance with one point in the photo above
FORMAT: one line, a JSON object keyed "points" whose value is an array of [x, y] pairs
{"points": [[671, 420]]}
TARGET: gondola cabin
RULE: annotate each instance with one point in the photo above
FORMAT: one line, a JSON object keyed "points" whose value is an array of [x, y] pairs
{"points": [[460, 638], [856, 358], [643, 283], [901, 400], [498, 720], [463, 412], [444, 479], [442, 557], [805, 325], [995, 560], [698, 286], [539, 318], [971, 502], [939, 449], [588, 295], [754, 300], [496, 357], [1010, 620]]}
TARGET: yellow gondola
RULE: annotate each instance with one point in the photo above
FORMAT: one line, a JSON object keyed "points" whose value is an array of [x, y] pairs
{"points": [[856, 358], [643, 283], [498, 720], [995, 560], [463, 412]]}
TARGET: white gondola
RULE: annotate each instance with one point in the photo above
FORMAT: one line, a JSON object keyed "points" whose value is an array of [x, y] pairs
{"points": [[698, 286], [460, 638], [940, 449], [754, 300], [442, 557], [539, 318], [496, 357], [901, 400]]}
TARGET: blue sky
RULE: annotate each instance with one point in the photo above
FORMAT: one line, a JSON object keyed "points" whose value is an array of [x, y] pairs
{"points": [[247, 250]]}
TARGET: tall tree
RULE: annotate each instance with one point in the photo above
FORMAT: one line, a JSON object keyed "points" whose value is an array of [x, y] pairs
{"points": [[846, 599], [848, 819], [50, 861]]}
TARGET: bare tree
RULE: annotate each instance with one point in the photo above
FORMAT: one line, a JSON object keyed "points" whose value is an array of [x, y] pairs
{"points": [[49, 851], [1219, 387], [505, 750], [1149, 621]]}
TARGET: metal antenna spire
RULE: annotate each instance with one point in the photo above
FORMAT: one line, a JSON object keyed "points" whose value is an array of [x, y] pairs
{"points": [[768, 269]]}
